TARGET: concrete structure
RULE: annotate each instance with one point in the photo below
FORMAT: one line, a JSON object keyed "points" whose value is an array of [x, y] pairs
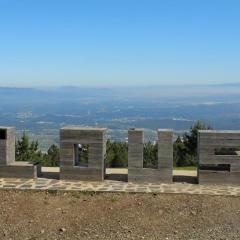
{"points": [[7, 145], [95, 138], [165, 154], [136, 172], [214, 167], [8, 166], [218, 156]]}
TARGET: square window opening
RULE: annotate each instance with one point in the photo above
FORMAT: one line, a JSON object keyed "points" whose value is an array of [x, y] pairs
{"points": [[3, 134], [81, 155]]}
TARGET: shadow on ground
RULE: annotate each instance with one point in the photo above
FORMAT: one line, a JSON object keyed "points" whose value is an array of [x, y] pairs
{"points": [[186, 179], [117, 177], [176, 178], [50, 175]]}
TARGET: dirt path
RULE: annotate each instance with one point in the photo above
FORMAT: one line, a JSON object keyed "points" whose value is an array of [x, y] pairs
{"points": [[75, 215]]}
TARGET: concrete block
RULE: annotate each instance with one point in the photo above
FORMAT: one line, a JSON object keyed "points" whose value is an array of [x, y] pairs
{"points": [[82, 174], [135, 148], [7, 145], [136, 172], [95, 138], [165, 148], [148, 175], [20, 170], [208, 142], [218, 177]]}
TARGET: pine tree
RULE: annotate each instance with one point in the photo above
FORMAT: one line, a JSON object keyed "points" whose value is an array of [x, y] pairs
{"points": [[26, 151]]}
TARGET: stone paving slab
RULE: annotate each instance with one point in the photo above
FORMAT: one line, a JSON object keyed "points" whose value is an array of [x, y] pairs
{"points": [[117, 186]]}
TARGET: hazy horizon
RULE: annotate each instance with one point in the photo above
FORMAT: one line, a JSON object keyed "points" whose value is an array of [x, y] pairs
{"points": [[123, 86]]}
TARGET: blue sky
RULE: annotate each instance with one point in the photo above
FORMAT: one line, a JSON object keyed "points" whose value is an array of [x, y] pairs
{"points": [[119, 42]]}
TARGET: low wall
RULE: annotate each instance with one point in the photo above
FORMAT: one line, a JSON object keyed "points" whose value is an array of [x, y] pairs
{"points": [[217, 161]]}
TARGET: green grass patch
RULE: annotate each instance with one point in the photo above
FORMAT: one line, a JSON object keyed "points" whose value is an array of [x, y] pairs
{"points": [[186, 168], [114, 199]]}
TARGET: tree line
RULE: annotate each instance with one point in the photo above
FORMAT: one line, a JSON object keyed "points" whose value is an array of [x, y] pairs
{"points": [[29, 151], [184, 151]]}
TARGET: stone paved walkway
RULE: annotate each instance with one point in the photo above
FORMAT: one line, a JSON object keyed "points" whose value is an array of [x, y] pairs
{"points": [[117, 186]]}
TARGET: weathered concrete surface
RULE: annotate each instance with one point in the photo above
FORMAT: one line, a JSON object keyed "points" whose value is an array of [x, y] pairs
{"points": [[165, 154], [136, 172], [208, 142], [150, 175], [135, 148], [188, 173], [96, 139], [26, 170], [7, 145], [10, 168]]}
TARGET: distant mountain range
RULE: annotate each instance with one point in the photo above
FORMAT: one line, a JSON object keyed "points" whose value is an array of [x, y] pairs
{"points": [[131, 91]]}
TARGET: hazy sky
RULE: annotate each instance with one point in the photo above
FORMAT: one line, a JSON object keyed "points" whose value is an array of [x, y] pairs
{"points": [[119, 42]]}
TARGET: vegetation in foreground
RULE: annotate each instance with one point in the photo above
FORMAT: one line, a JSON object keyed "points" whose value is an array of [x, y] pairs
{"points": [[29, 151]]}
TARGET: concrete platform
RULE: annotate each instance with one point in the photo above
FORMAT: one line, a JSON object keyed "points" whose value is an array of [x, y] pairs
{"points": [[20, 170], [121, 174], [220, 177], [190, 173]]}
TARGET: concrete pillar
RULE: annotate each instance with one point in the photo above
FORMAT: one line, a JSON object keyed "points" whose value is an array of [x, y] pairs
{"points": [[96, 139], [165, 154], [135, 147], [9, 168], [165, 148], [7, 145]]}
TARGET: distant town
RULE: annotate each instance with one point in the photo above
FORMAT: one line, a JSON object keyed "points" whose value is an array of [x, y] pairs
{"points": [[41, 113]]}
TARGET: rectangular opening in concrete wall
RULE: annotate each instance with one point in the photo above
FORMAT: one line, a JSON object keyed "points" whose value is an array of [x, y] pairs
{"points": [[116, 160], [81, 155], [150, 155], [3, 134], [227, 151], [116, 154], [215, 167]]}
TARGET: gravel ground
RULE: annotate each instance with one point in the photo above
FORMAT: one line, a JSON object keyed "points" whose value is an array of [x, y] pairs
{"points": [[76, 215]]}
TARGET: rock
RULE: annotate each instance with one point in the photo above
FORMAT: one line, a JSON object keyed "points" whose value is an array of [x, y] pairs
{"points": [[62, 230], [160, 212], [5, 233], [194, 213]]}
